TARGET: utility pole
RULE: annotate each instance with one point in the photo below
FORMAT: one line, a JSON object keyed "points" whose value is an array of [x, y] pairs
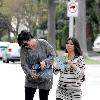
{"points": [[80, 26]]}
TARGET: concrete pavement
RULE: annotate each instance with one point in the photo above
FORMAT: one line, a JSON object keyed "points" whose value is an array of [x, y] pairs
{"points": [[94, 55], [91, 54], [12, 82]]}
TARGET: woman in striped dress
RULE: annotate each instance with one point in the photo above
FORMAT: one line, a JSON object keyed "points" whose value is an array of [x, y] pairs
{"points": [[70, 80]]}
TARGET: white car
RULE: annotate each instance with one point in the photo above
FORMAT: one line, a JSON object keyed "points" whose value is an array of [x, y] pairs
{"points": [[96, 44], [3, 46], [12, 53]]}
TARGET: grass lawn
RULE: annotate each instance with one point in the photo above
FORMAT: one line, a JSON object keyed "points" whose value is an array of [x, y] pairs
{"points": [[91, 61]]}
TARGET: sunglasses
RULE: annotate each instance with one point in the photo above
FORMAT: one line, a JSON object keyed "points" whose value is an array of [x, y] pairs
{"points": [[24, 45]]}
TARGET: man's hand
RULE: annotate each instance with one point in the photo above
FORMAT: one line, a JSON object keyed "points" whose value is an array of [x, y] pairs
{"points": [[55, 66], [34, 75], [42, 65]]}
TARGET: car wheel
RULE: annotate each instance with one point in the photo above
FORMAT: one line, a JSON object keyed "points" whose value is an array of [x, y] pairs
{"points": [[6, 61], [3, 61], [13, 61]]}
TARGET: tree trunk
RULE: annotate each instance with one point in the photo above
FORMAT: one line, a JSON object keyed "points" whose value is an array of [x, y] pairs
{"points": [[80, 28], [51, 23], [9, 38], [89, 36]]}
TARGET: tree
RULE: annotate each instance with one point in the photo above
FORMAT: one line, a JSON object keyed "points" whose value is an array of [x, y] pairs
{"points": [[8, 9], [51, 23], [92, 24], [80, 29], [61, 24], [1, 3], [5, 26]]}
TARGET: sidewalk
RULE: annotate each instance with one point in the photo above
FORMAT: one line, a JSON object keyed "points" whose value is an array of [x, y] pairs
{"points": [[91, 54], [94, 55]]}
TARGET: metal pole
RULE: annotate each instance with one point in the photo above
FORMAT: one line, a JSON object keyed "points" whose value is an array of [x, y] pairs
{"points": [[71, 26]]}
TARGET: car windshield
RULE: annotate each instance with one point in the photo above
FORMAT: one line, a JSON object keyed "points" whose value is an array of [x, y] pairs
{"points": [[2, 48]]}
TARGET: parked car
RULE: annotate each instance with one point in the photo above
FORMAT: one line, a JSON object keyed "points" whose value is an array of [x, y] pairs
{"points": [[96, 44], [11, 53], [3, 46]]}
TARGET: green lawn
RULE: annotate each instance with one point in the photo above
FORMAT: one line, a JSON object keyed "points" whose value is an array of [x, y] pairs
{"points": [[91, 61]]}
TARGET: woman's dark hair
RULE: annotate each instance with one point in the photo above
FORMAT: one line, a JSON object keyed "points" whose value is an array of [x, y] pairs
{"points": [[24, 36], [78, 51]]}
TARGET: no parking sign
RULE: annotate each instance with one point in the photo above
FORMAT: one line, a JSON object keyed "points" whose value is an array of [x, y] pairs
{"points": [[72, 9]]}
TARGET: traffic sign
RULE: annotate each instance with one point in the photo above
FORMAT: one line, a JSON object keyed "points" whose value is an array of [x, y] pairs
{"points": [[72, 9]]}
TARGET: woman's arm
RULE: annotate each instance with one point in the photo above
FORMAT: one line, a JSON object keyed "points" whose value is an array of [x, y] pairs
{"points": [[24, 65], [56, 68], [78, 66]]}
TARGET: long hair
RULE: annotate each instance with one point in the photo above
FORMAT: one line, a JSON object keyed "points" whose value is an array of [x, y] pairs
{"points": [[24, 36], [77, 49]]}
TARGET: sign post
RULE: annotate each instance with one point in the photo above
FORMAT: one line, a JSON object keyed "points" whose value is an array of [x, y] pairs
{"points": [[71, 26], [72, 11]]}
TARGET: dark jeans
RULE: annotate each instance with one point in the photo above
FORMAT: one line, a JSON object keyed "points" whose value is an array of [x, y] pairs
{"points": [[29, 93]]}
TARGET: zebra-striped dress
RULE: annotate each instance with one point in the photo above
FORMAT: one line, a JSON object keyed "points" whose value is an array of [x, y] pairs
{"points": [[69, 86]]}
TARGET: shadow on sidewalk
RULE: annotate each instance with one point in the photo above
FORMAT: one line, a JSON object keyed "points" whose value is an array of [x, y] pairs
{"points": [[92, 53]]}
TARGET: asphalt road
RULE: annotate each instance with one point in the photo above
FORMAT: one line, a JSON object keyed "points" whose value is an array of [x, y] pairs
{"points": [[12, 83]]}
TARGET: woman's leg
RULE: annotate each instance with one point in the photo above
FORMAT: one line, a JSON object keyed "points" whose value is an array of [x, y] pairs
{"points": [[43, 94], [29, 93]]}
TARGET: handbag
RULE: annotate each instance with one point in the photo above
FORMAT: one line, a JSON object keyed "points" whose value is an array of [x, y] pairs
{"points": [[61, 62], [43, 75]]}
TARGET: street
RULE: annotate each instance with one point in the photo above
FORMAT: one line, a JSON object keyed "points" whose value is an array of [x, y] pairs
{"points": [[12, 83], [91, 88]]}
